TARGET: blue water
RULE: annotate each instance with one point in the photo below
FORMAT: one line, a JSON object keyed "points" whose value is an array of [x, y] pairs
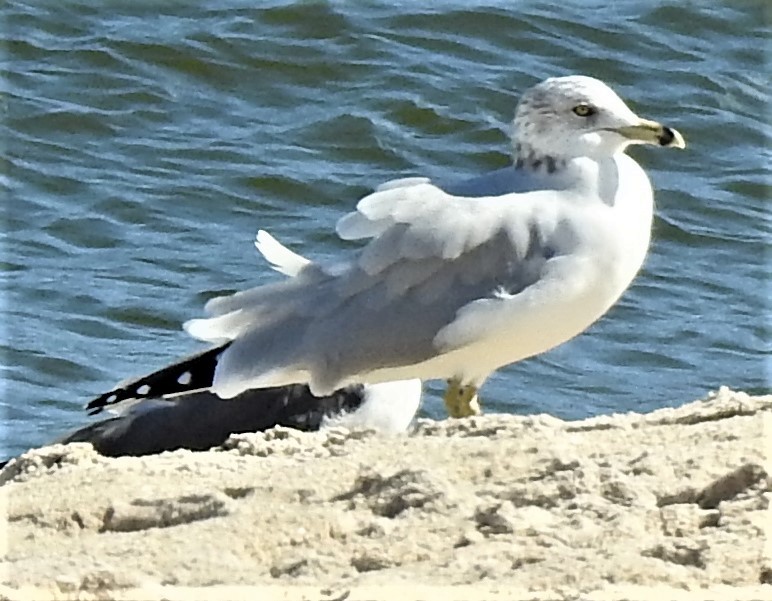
{"points": [[145, 143]]}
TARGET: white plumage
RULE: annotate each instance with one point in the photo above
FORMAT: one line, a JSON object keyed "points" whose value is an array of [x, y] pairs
{"points": [[459, 280]]}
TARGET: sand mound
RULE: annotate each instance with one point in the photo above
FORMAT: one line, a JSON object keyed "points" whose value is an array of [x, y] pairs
{"points": [[674, 504]]}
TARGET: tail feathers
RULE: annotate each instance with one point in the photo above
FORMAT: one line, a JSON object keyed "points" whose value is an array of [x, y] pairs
{"points": [[192, 373]]}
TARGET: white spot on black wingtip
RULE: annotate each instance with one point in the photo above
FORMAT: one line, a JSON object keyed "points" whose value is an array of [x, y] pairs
{"points": [[111, 399], [185, 378], [143, 390]]}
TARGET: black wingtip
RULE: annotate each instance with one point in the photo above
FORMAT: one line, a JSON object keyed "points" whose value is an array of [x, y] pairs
{"points": [[192, 373]]}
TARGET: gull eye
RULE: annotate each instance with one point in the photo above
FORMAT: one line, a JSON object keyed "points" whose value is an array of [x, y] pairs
{"points": [[584, 110]]}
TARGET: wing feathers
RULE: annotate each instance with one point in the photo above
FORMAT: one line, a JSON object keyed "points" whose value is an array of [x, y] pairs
{"points": [[192, 373], [281, 258], [421, 221], [443, 262]]}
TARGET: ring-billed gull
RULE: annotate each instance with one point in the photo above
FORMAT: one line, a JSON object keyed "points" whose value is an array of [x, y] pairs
{"points": [[454, 281]]}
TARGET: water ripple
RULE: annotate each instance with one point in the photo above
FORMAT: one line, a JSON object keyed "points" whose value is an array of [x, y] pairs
{"points": [[147, 142]]}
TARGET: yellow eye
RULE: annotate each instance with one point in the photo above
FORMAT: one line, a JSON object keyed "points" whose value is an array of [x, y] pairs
{"points": [[584, 110]]}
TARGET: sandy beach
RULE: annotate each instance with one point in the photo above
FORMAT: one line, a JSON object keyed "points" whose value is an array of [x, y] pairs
{"points": [[669, 505]]}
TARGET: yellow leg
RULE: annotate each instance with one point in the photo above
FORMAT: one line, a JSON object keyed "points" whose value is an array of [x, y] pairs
{"points": [[460, 400]]}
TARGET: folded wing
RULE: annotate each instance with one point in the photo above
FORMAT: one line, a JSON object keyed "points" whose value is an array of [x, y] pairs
{"points": [[429, 255]]}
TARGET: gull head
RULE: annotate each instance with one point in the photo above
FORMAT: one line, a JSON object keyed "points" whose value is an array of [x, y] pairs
{"points": [[566, 117]]}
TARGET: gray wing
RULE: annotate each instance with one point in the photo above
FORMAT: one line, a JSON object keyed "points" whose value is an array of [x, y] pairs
{"points": [[430, 254]]}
